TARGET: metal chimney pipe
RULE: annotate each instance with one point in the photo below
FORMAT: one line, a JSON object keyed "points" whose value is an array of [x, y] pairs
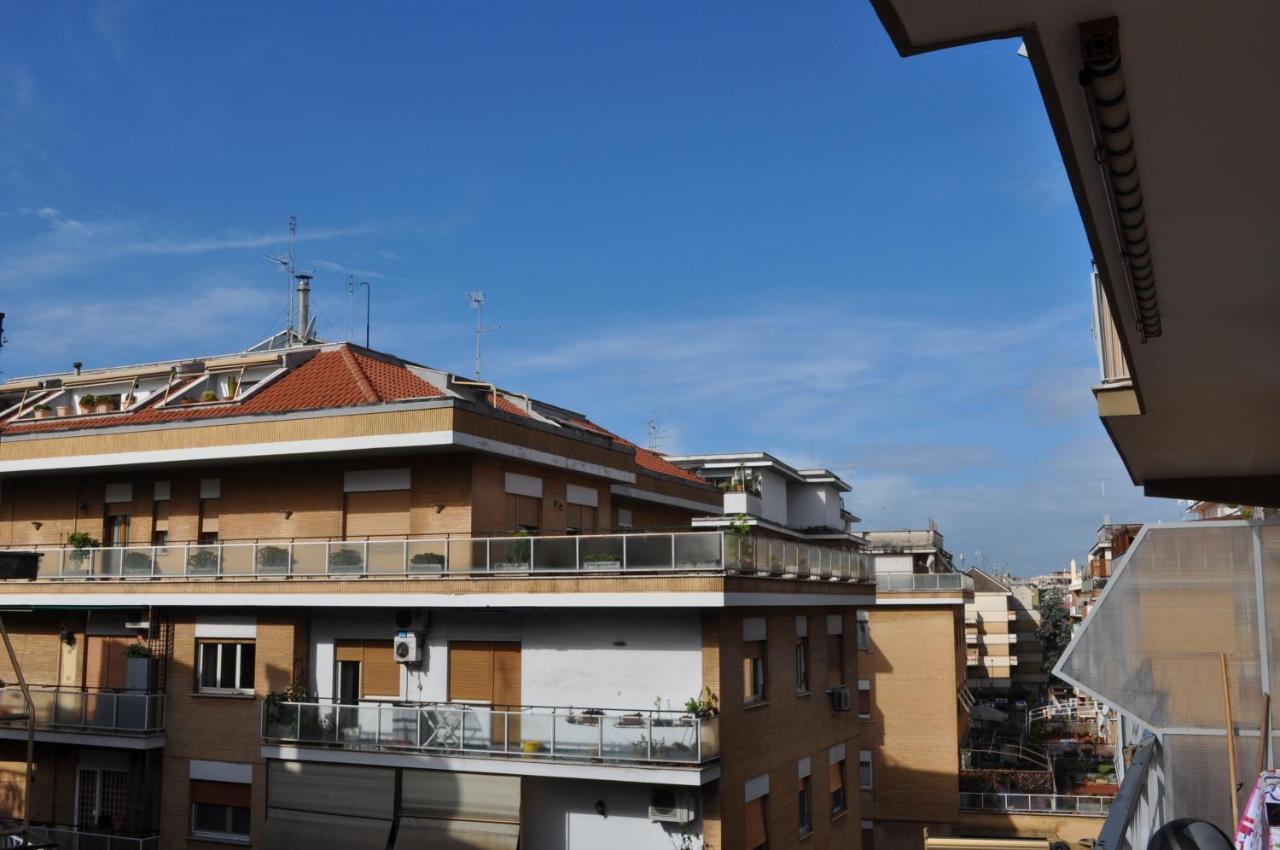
{"points": [[304, 304]]}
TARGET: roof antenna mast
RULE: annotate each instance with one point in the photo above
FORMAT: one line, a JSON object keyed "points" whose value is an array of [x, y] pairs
{"points": [[477, 302], [285, 261]]}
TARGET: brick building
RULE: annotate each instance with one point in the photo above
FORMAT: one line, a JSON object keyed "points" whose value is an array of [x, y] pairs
{"points": [[324, 597]]}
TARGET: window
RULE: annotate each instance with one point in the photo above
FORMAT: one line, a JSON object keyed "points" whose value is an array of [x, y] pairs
{"points": [[224, 667], [624, 518], [220, 810], [580, 519], [754, 671], [835, 650], [806, 807], [524, 513], [757, 834], [864, 770], [802, 664], [864, 632], [839, 796], [367, 669], [209, 511], [868, 835], [376, 513], [864, 699], [159, 538]]}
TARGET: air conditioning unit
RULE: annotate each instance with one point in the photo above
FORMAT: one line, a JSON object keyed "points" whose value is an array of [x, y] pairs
{"points": [[407, 647], [670, 805], [839, 697], [412, 620], [137, 620]]}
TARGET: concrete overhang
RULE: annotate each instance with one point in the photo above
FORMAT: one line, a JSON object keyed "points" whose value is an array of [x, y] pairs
{"points": [[1199, 82]]}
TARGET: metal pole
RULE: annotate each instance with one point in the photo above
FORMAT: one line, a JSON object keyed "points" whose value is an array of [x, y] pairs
{"points": [[1231, 740], [368, 303], [31, 733]]}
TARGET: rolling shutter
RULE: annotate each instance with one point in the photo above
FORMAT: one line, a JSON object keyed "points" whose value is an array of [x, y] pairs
{"points": [[506, 675], [209, 510], [380, 513], [161, 520], [756, 835], [470, 671], [221, 793], [835, 776], [105, 662], [442, 809], [379, 672]]}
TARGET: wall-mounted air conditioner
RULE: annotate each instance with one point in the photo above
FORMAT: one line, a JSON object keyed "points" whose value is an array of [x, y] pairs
{"points": [[407, 647], [670, 805], [839, 697]]}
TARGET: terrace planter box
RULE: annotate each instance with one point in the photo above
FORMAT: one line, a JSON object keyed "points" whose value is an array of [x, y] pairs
{"points": [[602, 564], [346, 562], [426, 562], [272, 560], [202, 563], [136, 564]]}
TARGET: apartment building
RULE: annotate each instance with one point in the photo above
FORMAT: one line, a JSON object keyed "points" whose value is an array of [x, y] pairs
{"points": [[1029, 673], [320, 596], [991, 634], [913, 702]]}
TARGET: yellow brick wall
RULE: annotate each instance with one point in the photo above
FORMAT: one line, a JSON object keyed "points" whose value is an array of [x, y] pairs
{"points": [[772, 737], [914, 731]]}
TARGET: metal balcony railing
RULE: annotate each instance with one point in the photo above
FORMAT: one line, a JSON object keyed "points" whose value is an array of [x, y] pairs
{"points": [[532, 732], [601, 554], [1061, 804], [76, 838], [87, 710], [922, 582]]}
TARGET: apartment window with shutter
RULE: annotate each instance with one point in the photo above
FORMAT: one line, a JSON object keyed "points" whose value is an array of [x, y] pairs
{"points": [[377, 513], [524, 513], [754, 671], [805, 807], [580, 519], [835, 657], [864, 699], [757, 834], [868, 835], [209, 516], [864, 770], [864, 632], [802, 655], [367, 668], [484, 671], [839, 796], [220, 810], [224, 666]]}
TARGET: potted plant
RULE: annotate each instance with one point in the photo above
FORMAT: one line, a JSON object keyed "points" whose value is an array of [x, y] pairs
{"points": [[427, 562], [705, 704], [106, 403], [87, 402], [202, 562], [80, 543], [517, 554], [62, 409], [602, 561], [208, 395], [233, 386], [346, 561], [137, 563], [273, 560], [42, 411]]}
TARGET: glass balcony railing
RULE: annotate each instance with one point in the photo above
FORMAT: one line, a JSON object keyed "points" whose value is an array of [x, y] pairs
{"points": [[693, 552], [530, 732], [77, 838], [86, 710], [896, 582], [1059, 804]]}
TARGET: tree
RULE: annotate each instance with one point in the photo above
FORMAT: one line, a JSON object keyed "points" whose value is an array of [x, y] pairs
{"points": [[1055, 625]]}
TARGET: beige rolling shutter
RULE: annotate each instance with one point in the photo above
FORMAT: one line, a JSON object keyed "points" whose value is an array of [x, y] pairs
{"points": [[464, 810], [161, 517], [379, 672], [756, 834], [381, 513], [349, 650], [506, 675], [209, 510], [471, 671], [221, 793]]}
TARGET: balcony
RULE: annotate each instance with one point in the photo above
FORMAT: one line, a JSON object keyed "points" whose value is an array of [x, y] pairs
{"points": [[540, 733], [82, 711], [923, 582], [1041, 804], [699, 552], [76, 838]]}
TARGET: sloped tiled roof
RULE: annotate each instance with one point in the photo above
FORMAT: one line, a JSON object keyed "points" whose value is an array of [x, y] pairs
{"points": [[340, 377], [645, 459]]}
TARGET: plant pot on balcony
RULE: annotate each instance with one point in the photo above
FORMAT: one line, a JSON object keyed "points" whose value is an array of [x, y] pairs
{"points": [[602, 562], [202, 563], [345, 561], [42, 411], [426, 562], [273, 560], [530, 747], [86, 403], [136, 563], [62, 409]]}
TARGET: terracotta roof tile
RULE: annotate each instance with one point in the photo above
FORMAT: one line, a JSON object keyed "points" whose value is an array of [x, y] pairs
{"points": [[645, 459], [330, 379]]}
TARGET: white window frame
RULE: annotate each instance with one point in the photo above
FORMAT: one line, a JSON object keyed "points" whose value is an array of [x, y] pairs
{"points": [[864, 761], [239, 655]]}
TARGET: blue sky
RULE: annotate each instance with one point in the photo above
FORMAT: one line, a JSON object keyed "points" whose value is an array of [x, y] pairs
{"points": [[763, 227]]}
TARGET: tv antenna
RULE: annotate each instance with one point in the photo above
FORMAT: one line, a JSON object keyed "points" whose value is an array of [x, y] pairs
{"points": [[477, 302], [285, 261], [657, 434]]}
